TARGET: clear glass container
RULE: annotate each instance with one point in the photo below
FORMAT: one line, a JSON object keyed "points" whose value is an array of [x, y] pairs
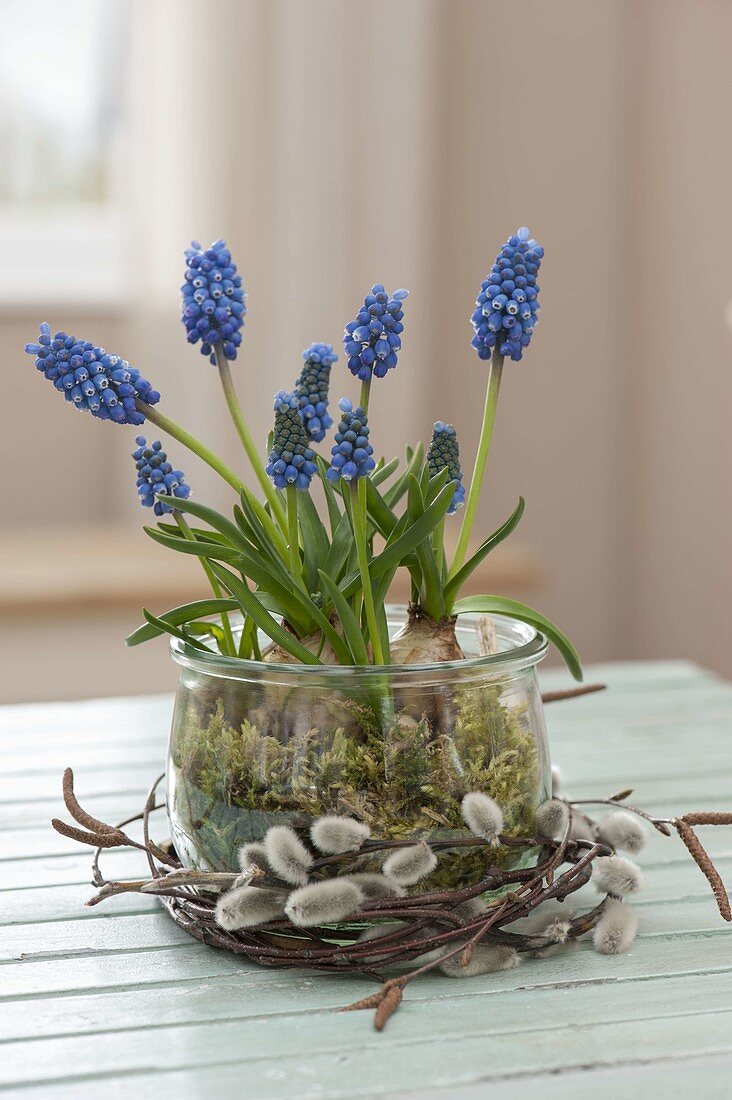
{"points": [[255, 744]]}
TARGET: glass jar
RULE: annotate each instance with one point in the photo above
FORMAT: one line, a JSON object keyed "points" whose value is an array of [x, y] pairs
{"points": [[254, 745]]}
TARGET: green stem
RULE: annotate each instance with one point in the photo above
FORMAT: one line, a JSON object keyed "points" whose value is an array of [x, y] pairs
{"points": [[227, 383], [293, 535], [438, 543], [358, 519], [365, 394], [481, 458], [215, 587], [177, 431]]}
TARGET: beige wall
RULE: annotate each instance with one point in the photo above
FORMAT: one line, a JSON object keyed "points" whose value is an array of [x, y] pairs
{"points": [[336, 143]]}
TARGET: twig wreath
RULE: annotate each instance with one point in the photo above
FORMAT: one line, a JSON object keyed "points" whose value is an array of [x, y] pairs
{"points": [[313, 907]]}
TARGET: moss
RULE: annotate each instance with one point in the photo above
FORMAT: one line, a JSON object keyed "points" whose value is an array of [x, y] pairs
{"points": [[233, 780]]}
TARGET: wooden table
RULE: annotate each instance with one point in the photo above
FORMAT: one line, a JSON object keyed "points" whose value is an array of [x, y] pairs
{"points": [[117, 1002]]}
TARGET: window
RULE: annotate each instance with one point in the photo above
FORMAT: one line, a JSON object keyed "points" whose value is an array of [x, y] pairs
{"points": [[61, 134]]}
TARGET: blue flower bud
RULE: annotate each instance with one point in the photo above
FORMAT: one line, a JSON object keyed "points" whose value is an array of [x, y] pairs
{"points": [[372, 339], [311, 389], [507, 305], [93, 381], [156, 475], [212, 300], [351, 457], [291, 461], [443, 453]]}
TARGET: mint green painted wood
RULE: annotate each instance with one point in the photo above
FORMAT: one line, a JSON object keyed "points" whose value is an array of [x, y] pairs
{"points": [[81, 989]]}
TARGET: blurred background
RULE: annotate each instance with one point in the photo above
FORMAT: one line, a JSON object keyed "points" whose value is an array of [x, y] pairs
{"points": [[334, 144]]}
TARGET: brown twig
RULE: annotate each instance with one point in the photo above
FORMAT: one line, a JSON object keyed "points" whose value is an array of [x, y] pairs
{"points": [[571, 693], [701, 857], [424, 924]]}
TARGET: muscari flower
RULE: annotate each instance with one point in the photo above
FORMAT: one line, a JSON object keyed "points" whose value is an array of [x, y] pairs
{"points": [[91, 378], [311, 389], [372, 339], [508, 302], [444, 453], [351, 456], [156, 475], [212, 306], [291, 461]]}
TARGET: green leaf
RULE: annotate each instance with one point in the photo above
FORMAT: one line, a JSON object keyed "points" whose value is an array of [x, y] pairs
{"points": [[351, 626], [397, 549], [199, 549], [379, 511], [501, 605], [455, 583], [316, 543], [340, 548], [399, 488], [185, 613], [212, 517], [168, 628], [432, 597], [250, 605], [381, 473]]}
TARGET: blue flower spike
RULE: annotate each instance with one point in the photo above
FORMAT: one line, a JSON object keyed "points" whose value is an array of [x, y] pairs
{"points": [[508, 302], [91, 379], [291, 461], [443, 453], [351, 457], [156, 475], [373, 339], [312, 387], [212, 300]]}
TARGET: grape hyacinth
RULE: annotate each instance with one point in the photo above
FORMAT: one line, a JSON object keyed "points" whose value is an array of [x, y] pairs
{"points": [[508, 302], [311, 389], [156, 475], [212, 303], [291, 461], [443, 453], [91, 378], [351, 457], [372, 340]]}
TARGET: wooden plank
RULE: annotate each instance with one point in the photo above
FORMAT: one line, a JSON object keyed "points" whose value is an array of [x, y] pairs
{"points": [[435, 1060], [259, 1039], [227, 1024], [672, 1079]]}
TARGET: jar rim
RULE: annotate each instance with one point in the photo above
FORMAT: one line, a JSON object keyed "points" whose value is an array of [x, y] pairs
{"points": [[532, 649]]}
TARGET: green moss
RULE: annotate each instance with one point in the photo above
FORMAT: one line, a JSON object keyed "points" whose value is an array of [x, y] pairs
{"points": [[233, 781]]}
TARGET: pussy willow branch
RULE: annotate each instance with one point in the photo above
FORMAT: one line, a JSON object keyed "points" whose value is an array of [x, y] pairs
{"points": [[425, 923]]}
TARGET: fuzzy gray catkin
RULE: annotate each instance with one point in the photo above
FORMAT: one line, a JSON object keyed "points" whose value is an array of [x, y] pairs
{"points": [[253, 855], [615, 875], [482, 815], [376, 886], [616, 929], [486, 959], [287, 855], [335, 835], [323, 902], [622, 830], [408, 865], [248, 906], [551, 819]]}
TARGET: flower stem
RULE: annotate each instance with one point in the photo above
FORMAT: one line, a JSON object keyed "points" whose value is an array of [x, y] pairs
{"points": [[365, 393], [215, 587], [177, 431], [293, 536], [481, 458], [358, 519], [227, 384]]}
